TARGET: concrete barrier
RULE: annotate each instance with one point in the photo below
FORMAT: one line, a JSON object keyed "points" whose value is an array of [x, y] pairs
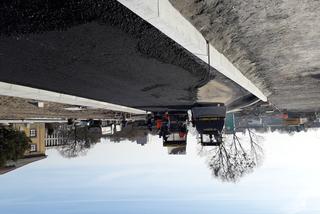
{"points": [[162, 15], [7, 89]]}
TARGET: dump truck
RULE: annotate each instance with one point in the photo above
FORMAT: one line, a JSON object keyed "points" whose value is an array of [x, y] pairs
{"points": [[209, 118]]}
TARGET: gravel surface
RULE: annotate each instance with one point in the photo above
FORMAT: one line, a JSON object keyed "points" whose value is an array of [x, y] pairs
{"points": [[17, 108], [274, 43]]}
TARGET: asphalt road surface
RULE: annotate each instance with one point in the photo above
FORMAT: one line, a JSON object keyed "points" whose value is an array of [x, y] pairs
{"points": [[98, 50]]}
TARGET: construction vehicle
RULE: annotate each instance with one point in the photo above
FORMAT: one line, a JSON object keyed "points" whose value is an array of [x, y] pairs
{"points": [[174, 131], [209, 118]]}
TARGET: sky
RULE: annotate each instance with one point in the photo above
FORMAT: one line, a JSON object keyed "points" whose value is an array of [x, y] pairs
{"points": [[129, 178]]}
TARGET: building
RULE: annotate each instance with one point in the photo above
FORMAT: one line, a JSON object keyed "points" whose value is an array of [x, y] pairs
{"points": [[20, 163], [36, 152], [36, 132]]}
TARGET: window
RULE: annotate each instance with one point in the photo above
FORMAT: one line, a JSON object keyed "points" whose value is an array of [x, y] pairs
{"points": [[33, 133], [33, 147]]}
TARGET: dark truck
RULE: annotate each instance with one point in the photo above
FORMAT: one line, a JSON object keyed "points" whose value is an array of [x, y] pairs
{"points": [[209, 121]]}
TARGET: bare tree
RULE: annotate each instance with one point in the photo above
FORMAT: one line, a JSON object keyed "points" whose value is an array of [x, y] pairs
{"points": [[234, 158], [256, 149], [77, 141]]}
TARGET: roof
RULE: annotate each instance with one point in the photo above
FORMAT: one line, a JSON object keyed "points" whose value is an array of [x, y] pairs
{"points": [[22, 162]]}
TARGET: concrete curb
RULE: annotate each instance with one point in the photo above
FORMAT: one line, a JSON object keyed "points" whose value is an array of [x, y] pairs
{"points": [[162, 15], [7, 89]]}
